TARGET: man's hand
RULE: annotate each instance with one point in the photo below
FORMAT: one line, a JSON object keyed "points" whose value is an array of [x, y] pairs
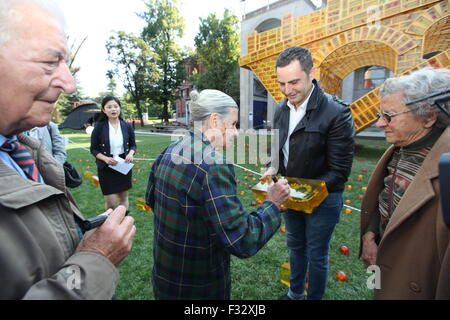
{"points": [[113, 239], [278, 192], [271, 171]]}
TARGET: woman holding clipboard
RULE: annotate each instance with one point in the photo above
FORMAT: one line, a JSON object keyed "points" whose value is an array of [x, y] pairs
{"points": [[112, 138]]}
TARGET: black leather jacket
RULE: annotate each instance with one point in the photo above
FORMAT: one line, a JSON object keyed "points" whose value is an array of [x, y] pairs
{"points": [[322, 144]]}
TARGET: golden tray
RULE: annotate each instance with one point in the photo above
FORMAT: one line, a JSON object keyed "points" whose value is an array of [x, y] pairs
{"points": [[306, 194]]}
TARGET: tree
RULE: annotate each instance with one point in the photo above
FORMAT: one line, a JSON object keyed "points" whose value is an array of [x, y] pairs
{"points": [[66, 102], [135, 66], [112, 85], [164, 26], [217, 45], [74, 53]]}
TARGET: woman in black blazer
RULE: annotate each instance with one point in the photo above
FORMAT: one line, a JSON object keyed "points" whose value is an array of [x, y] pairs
{"points": [[112, 136]]}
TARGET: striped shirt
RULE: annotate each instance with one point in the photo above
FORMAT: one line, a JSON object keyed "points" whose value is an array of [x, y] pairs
{"points": [[199, 221], [402, 168]]}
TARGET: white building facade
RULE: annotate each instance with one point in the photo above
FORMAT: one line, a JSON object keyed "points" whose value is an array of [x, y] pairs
{"points": [[256, 106]]}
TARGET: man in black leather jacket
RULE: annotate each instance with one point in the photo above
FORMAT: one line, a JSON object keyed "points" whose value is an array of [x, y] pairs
{"points": [[316, 141]]}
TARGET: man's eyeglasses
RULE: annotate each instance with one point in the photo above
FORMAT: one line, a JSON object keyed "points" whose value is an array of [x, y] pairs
{"points": [[387, 116]]}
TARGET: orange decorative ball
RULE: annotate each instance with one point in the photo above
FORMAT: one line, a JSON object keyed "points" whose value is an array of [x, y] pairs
{"points": [[341, 276], [94, 181]]}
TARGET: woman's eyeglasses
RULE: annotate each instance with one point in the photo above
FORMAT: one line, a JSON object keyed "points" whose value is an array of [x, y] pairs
{"points": [[387, 116]]}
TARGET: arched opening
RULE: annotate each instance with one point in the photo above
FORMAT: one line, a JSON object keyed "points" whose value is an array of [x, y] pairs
{"points": [[353, 56], [436, 38], [268, 24], [363, 80]]}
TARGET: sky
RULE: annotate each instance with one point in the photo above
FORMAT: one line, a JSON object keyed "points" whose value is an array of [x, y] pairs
{"points": [[98, 19]]}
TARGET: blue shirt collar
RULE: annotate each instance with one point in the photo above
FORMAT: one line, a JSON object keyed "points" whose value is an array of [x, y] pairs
{"points": [[3, 139]]}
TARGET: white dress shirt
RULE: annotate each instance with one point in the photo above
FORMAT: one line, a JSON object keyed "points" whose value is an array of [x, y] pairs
{"points": [[295, 116], [115, 140]]}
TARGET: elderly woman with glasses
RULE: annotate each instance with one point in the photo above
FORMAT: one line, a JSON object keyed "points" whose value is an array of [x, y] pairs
{"points": [[402, 229]]}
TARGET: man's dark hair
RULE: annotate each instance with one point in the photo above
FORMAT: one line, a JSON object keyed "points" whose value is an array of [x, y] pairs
{"points": [[301, 54]]}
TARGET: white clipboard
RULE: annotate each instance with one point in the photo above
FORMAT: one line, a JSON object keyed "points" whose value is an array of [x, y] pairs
{"points": [[121, 165]]}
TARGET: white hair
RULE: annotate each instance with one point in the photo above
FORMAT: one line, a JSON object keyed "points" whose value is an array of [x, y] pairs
{"points": [[210, 101], [9, 17], [419, 84]]}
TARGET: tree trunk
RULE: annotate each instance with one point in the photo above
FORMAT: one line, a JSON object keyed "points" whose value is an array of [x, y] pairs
{"points": [[138, 107], [166, 111]]}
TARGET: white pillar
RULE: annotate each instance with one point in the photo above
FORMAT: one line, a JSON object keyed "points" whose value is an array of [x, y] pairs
{"points": [[271, 108], [246, 98]]}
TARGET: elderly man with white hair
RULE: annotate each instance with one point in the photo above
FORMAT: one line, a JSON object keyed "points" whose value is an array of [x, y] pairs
{"points": [[43, 253], [199, 220], [402, 227]]}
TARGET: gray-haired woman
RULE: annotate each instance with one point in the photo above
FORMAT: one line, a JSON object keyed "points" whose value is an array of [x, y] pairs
{"points": [[402, 228], [199, 220]]}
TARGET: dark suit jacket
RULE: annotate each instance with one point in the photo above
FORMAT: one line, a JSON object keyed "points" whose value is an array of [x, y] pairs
{"points": [[321, 145], [100, 140]]}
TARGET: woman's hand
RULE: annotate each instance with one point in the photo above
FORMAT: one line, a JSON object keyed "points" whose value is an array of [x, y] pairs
{"points": [[369, 249], [129, 158], [110, 161], [271, 171]]}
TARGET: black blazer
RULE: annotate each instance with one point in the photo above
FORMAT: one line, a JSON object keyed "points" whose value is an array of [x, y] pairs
{"points": [[100, 140], [322, 144]]}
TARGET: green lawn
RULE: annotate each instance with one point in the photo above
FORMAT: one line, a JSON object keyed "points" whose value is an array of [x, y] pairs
{"points": [[257, 277]]}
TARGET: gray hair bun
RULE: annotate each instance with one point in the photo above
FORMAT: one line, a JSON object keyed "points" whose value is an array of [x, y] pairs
{"points": [[194, 95], [209, 101]]}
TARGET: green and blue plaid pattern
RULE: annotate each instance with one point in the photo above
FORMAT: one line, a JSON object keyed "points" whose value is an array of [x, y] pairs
{"points": [[199, 221]]}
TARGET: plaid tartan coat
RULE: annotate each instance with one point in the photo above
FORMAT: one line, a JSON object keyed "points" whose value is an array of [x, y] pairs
{"points": [[199, 221]]}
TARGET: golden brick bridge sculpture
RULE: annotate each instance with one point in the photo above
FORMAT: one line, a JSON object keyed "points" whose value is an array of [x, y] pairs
{"points": [[351, 34]]}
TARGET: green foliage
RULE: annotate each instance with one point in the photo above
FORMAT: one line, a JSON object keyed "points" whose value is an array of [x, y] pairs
{"points": [[112, 85], [66, 102], [135, 66], [217, 44], [154, 110], [164, 26]]}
